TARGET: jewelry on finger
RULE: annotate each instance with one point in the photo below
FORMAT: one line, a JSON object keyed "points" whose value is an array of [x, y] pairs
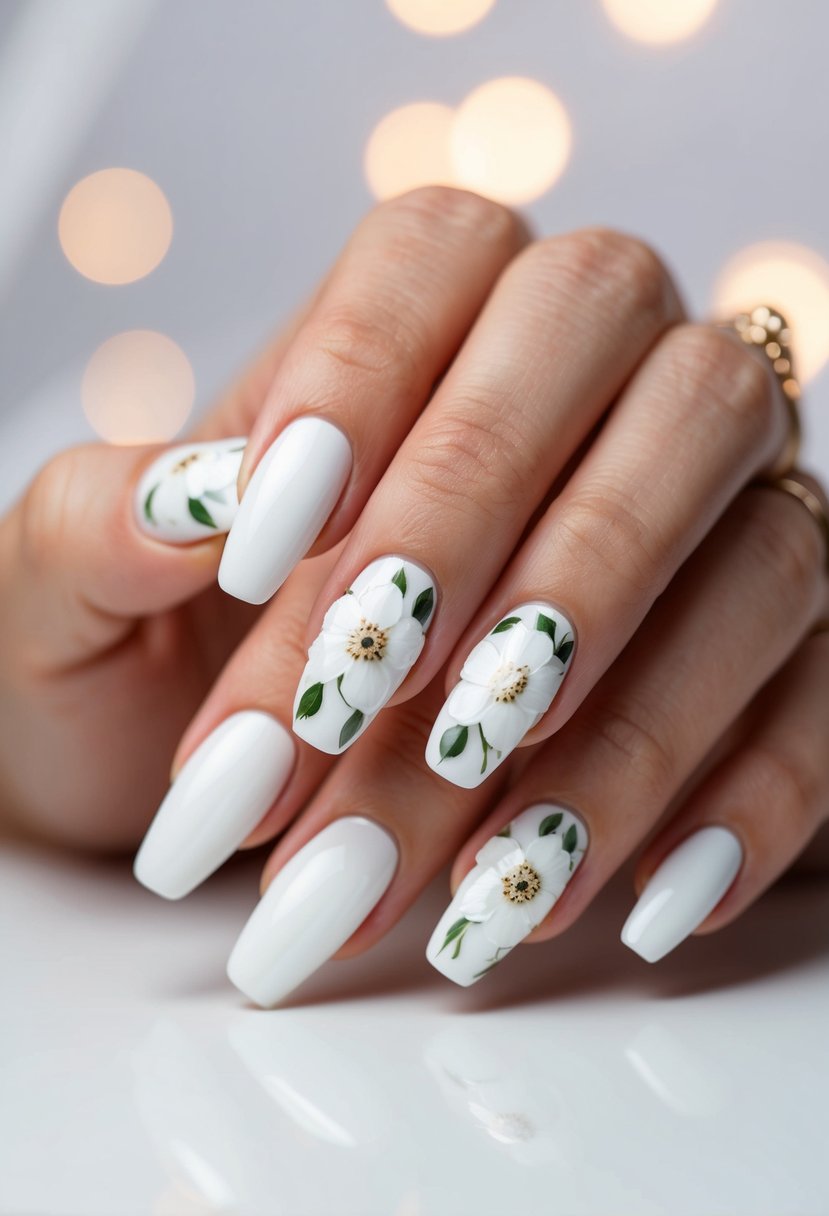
{"points": [[791, 484], [766, 328]]}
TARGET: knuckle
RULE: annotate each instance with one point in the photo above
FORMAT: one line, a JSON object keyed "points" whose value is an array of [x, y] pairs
{"points": [[781, 782], [784, 540], [433, 208], [602, 527], [634, 737], [370, 344], [46, 511]]}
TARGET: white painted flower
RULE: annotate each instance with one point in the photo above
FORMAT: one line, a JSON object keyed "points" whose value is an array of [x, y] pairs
{"points": [[208, 471], [517, 887], [366, 639], [507, 681]]}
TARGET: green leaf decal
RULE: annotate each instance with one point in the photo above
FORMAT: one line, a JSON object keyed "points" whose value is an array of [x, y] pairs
{"points": [[200, 513], [571, 839], [148, 504], [399, 580], [310, 701], [485, 746], [506, 830], [453, 741], [340, 679], [545, 624], [550, 824], [455, 934], [215, 496], [486, 970], [423, 605], [351, 727], [240, 448], [506, 624], [565, 649]]}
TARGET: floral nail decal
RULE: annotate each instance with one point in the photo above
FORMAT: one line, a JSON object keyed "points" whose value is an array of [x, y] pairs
{"points": [[189, 492], [517, 878], [371, 638], [507, 682]]}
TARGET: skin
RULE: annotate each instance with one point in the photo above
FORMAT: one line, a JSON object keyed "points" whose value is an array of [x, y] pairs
{"points": [[530, 419]]}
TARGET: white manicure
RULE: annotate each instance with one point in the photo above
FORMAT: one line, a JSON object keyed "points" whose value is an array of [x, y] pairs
{"points": [[518, 877], [218, 798], [507, 685], [687, 886], [189, 492], [293, 490], [312, 907], [371, 638]]}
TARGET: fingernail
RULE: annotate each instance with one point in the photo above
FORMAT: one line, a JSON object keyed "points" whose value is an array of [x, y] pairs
{"points": [[371, 638], [507, 684], [517, 877], [680, 894], [218, 798], [189, 492], [293, 490], [312, 907]]}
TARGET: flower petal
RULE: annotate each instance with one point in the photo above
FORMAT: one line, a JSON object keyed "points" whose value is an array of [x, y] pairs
{"points": [[367, 685], [540, 690], [508, 924], [481, 899], [528, 647], [343, 615], [405, 643], [222, 471], [500, 853], [467, 702], [381, 605], [505, 724], [540, 905], [482, 661], [326, 659]]}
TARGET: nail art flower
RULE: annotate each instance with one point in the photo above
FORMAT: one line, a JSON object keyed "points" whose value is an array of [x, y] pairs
{"points": [[199, 485], [517, 887]]}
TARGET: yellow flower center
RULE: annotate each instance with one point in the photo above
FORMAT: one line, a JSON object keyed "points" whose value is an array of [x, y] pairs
{"points": [[367, 642], [509, 682], [521, 884], [184, 462]]}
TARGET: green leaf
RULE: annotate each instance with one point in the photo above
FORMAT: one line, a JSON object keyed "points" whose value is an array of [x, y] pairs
{"points": [[240, 448], [340, 679], [200, 513], [506, 830], [485, 745], [148, 504], [545, 624], [506, 624], [565, 649], [455, 931], [571, 839], [351, 727], [215, 496], [453, 741], [399, 580], [310, 701], [486, 970], [550, 824], [423, 605]]}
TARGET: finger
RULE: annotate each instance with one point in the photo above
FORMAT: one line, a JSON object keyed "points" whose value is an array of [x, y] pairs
{"points": [[728, 622], [701, 416], [745, 825], [528, 386], [396, 307]]}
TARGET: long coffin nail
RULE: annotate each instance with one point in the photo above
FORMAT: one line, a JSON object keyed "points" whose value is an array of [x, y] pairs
{"points": [[312, 907], [371, 638], [189, 492], [507, 684], [517, 877], [293, 490], [218, 798], [687, 886]]}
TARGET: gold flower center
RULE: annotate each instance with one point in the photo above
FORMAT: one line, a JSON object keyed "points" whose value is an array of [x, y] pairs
{"points": [[509, 682], [184, 462], [367, 642], [521, 884]]}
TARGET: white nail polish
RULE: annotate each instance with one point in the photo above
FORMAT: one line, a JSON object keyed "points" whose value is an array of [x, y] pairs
{"points": [[517, 878], [189, 492], [507, 684], [680, 894], [312, 907], [217, 799], [293, 490], [371, 638]]}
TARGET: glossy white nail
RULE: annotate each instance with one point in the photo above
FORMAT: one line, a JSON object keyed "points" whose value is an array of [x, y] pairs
{"points": [[507, 684], [687, 886], [312, 907], [189, 492], [217, 799], [293, 490], [518, 877], [371, 638]]}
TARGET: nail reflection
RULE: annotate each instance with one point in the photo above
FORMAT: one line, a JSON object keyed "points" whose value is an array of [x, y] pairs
{"points": [[678, 1076]]}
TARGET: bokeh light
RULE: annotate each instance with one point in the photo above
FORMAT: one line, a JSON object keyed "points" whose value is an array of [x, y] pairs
{"points": [[510, 139], [115, 226], [791, 278], [138, 387], [659, 21], [440, 18], [409, 148]]}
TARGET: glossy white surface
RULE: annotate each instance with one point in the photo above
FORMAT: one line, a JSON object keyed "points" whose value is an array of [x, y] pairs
{"points": [[136, 1080], [189, 492]]}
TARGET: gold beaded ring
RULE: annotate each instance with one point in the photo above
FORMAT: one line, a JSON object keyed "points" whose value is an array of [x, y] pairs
{"points": [[766, 328]]}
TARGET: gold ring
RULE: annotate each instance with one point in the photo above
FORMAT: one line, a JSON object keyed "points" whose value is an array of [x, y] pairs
{"points": [[813, 504], [766, 328]]}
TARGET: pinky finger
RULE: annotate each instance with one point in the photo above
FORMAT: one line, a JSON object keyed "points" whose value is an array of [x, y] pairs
{"points": [[748, 821]]}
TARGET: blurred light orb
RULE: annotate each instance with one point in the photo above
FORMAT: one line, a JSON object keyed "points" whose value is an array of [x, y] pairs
{"points": [[510, 139], [792, 278], [440, 18], [115, 226], [659, 22], [138, 387], [409, 148]]}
